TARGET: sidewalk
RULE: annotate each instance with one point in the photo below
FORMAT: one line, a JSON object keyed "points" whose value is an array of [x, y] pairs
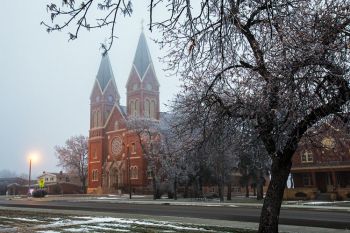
{"points": [[236, 202]]}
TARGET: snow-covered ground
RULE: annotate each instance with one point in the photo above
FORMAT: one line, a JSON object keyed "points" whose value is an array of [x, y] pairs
{"points": [[26, 222]]}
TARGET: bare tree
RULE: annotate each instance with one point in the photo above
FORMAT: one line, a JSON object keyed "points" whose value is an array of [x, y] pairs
{"points": [[148, 133], [79, 13], [254, 162], [281, 64], [174, 165], [73, 157]]}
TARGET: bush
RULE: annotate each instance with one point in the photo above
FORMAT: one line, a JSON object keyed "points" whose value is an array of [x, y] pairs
{"points": [[39, 193], [348, 195], [301, 194], [211, 195]]}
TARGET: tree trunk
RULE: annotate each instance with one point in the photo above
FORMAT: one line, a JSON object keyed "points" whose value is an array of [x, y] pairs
{"points": [[246, 190], [221, 191], [229, 191], [83, 186], [175, 188], [186, 190], [200, 184], [272, 204], [154, 185], [254, 189], [259, 186], [260, 191]]}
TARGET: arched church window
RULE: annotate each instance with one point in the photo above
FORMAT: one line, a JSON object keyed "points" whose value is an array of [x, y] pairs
{"points": [[132, 108], [153, 109], [94, 119], [95, 175], [135, 87], [148, 87], [110, 98], [116, 125], [137, 107], [134, 172], [98, 118], [147, 108]]}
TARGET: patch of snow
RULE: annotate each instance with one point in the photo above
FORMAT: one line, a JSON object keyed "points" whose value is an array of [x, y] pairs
{"points": [[86, 223], [26, 219], [113, 195], [109, 198], [318, 203], [167, 224], [138, 196], [48, 231], [81, 229], [114, 225]]}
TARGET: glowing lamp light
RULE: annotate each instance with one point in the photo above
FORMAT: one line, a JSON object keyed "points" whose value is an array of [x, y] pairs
{"points": [[33, 157]]}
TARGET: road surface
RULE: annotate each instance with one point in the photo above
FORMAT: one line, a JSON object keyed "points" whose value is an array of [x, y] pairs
{"points": [[297, 217]]}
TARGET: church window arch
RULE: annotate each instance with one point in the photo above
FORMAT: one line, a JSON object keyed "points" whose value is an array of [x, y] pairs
{"points": [[134, 172], [95, 175], [116, 125], [153, 109], [148, 87], [137, 107], [147, 108], [94, 119], [98, 118], [132, 108]]}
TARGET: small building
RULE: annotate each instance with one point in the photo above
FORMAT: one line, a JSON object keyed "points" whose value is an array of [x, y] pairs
{"points": [[321, 164], [13, 186], [61, 183]]}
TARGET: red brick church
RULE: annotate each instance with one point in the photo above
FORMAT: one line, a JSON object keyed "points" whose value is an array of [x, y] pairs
{"points": [[112, 147]]}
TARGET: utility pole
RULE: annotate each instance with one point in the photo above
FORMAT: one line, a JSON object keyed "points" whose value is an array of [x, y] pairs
{"points": [[30, 172], [128, 153]]}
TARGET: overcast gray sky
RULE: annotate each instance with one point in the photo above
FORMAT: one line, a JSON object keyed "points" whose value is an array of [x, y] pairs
{"points": [[45, 81]]}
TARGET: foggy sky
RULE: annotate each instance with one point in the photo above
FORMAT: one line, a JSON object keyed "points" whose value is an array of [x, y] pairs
{"points": [[46, 81]]}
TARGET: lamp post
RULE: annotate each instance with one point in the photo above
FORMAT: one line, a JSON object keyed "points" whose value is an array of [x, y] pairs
{"points": [[129, 171], [32, 158], [30, 172]]}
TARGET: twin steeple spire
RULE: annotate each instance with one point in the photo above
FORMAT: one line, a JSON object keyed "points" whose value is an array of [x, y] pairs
{"points": [[142, 59], [105, 72]]}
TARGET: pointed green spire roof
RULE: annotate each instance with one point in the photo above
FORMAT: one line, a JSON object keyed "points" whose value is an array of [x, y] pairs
{"points": [[105, 73], [142, 57]]}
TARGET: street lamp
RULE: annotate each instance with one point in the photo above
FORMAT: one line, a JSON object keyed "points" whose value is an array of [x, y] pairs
{"points": [[32, 157], [129, 169]]}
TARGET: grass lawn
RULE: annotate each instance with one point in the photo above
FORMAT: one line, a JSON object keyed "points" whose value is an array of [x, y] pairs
{"points": [[25, 222]]}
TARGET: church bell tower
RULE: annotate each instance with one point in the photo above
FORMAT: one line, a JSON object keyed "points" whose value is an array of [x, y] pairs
{"points": [[142, 85]]}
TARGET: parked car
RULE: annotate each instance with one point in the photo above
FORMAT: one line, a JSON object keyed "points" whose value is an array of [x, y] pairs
{"points": [[39, 193]]}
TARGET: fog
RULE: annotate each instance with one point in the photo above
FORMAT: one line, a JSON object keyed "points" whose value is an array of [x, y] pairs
{"points": [[46, 81]]}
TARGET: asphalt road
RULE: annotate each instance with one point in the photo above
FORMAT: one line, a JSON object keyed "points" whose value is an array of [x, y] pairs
{"points": [[298, 217]]}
